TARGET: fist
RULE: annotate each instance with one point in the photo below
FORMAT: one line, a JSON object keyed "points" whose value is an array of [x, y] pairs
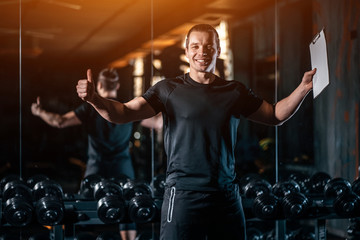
{"points": [[36, 107], [85, 87]]}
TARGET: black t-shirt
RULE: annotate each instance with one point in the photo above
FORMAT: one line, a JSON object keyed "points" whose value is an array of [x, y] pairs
{"points": [[106, 140], [200, 129]]}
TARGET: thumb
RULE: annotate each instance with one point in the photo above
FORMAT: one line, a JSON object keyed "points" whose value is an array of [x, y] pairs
{"points": [[89, 75], [38, 100]]}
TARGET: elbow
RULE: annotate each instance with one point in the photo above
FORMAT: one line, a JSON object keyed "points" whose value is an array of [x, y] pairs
{"points": [[58, 125], [279, 123]]}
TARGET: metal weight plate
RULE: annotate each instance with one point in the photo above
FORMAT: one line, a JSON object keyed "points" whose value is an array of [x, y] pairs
{"points": [[111, 209], [87, 185], [142, 209], [282, 188], [49, 211], [335, 187], [47, 188], [17, 212], [107, 188]]}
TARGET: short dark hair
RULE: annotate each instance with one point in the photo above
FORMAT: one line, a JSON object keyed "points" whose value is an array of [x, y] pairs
{"points": [[203, 28], [109, 79]]}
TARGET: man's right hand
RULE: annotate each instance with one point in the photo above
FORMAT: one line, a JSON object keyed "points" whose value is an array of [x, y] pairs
{"points": [[86, 88], [36, 107]]}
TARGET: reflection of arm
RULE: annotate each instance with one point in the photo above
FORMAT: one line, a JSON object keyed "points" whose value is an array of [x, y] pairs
{"points": [[284, 109], [155, 122], [54, 119], [60, 121]]}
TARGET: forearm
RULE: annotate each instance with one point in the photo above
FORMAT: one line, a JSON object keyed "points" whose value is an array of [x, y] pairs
{"points": [[118, 112], [110, 110], [288, 106], [52, 119]]}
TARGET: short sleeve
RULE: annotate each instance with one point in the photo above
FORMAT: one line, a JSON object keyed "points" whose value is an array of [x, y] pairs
{"points": [[82, 112], [247, 101], [155, 96]]}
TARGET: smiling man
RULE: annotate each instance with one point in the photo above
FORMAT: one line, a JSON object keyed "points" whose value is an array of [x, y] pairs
{"points": [[201, 113]]}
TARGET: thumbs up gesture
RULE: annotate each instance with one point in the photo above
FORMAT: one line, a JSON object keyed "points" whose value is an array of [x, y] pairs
{"points": [[36, 107], [86, 87]]}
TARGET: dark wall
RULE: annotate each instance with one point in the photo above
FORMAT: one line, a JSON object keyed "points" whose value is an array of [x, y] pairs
{"points": [[336, 111]]}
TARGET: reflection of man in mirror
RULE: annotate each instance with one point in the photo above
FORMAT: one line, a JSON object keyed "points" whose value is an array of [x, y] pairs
{"points": [[108, 143], [201, 113]]}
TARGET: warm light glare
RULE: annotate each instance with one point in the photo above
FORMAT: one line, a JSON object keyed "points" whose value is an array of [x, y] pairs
{"points": [[138, 86], [138, 73], [137, 135], [226, 53], [156, 79], [138, 67], [157, 64]]}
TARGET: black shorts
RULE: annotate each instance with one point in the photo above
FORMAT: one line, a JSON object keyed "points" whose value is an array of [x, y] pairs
{"points": [[202, 215]]}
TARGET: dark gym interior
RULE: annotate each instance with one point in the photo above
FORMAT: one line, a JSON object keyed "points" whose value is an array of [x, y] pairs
{"points": [[46, 46]]}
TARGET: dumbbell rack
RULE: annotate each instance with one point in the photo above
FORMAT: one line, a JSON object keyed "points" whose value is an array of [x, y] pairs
{"points": [[78, 211], [320, 210], [82, 211]]}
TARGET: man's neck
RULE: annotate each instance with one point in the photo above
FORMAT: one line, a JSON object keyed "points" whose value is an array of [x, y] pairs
{"points": [[202, 77], [110, 94]]}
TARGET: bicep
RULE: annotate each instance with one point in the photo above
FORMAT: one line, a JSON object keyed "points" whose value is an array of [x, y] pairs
{"points": [[265, 114], [69, 119], [138, 109]]}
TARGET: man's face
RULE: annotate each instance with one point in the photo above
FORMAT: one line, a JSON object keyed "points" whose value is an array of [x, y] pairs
{"points": [[202, 52]]}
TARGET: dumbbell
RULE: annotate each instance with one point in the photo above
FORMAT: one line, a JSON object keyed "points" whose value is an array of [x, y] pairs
{"points": [[293, 203], [265, 203], [158, 185], [142, 208], [121, 179], [18, 208], [136, 188], [246, 179], [87, 185], [303, 180], [345, 202], [31, 181], [355, 186], [6, 179], [49, 206], [110, 205], [318, 181], [254, 233]]}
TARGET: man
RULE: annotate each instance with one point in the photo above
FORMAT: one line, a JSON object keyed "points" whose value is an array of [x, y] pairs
{"points": [[200, 113], [108, 143]]}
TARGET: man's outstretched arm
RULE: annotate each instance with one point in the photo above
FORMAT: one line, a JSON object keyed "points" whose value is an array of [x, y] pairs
{"points": [[54, 119], [113, 111], [283, 110]]}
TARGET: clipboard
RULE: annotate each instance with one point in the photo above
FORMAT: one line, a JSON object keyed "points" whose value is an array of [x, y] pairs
{"points": [[319, 60]]}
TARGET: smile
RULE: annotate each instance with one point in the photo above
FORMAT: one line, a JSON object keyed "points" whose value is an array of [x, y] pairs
{"points": [[202, 60]]}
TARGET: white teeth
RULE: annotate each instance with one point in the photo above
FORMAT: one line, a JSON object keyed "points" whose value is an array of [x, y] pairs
{"points": [[200, 60]]}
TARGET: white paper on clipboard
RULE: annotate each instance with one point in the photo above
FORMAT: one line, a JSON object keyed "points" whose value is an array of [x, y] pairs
{"points": [[319, 60]]}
